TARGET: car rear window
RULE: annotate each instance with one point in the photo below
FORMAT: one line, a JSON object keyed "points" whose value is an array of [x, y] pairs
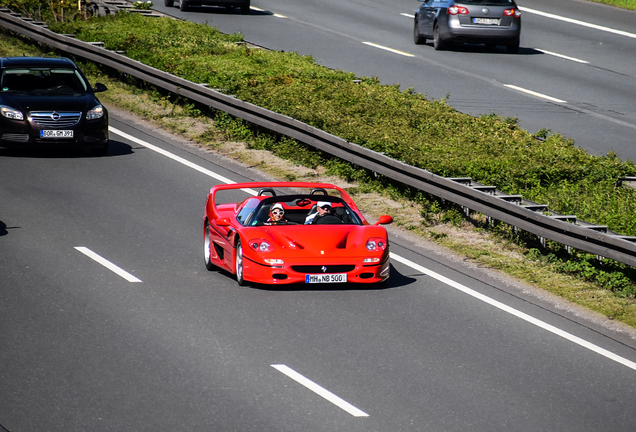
{"points": [[487, 2]]}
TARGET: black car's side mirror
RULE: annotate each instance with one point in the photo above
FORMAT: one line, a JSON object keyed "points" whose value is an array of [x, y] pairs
{"points": [[99, 87]]}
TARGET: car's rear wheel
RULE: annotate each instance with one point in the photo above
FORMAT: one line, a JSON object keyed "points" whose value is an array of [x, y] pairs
{"points": [[207, 254], [417, 37], [513, 48], [238, 263], [184, 5], [168, 3], [438, 43], [245, 9]]}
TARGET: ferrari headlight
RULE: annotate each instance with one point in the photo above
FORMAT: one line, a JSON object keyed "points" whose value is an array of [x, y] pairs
{"points": [[260, 245], [376, 244], [95, 113], [11, 113]]}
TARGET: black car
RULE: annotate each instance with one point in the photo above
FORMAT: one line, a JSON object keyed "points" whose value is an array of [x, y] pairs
{"points": [[490, 22], [49, 102]]}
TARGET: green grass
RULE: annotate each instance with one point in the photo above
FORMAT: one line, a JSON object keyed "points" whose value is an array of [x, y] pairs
{"points": [[624, 4]]}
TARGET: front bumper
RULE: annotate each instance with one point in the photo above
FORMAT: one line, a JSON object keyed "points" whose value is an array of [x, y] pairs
{"points": [[295, 272], [19, 134]]}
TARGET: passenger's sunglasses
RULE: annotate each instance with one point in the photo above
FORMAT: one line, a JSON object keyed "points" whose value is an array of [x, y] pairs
{"points": [[278, 212]]}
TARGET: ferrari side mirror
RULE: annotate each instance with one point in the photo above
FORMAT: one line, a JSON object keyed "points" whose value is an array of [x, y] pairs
{"points": [[384, 220]]}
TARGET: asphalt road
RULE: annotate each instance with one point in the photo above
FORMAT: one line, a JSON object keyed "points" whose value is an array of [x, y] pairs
{"points": [[574, 73], [161, 344]]}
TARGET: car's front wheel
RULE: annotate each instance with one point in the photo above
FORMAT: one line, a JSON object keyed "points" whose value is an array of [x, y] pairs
{"points": [[168, 3], [438, 43], [238, 263], [183, 5], [417, 37], [207, 254]]}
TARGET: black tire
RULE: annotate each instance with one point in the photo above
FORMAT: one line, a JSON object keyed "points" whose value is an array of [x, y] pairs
{"points": [[417, 37], [438, 43], [207, 244], [238, 263], [513, 48], [168, 3], [184, 5], [245, 9]]}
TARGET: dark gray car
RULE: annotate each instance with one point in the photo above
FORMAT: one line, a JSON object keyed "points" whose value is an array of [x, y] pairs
{"points": [[490, 22], [184, 5]]}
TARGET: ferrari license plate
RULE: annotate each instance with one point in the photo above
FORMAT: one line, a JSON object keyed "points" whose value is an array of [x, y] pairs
{"points": [[326, 278], [47, 133], [488, 21]]}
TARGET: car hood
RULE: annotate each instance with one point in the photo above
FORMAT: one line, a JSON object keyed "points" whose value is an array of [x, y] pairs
{"points": [[317, 240], [57, 102]]}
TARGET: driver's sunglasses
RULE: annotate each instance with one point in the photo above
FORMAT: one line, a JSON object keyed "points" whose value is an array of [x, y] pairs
{"points": [[326, 207], [278, 212]]}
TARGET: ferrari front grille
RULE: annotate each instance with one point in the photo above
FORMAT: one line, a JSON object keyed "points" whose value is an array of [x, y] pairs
{"points": [[316, 269], [54, 119]]}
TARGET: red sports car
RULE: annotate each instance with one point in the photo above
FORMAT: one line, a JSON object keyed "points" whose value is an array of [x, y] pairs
{"points": [[290, 232]]}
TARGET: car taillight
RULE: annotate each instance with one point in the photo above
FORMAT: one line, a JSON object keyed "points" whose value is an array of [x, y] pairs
{"points": [[455, 10], [512, 12], [376, 244], [260, 245]]}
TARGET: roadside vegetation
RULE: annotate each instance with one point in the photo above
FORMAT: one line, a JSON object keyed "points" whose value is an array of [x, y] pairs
{"points": [[544, 167], [623, 4]]}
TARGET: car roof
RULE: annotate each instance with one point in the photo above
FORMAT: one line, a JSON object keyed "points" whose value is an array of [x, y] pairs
{"points": [[6, 62]]}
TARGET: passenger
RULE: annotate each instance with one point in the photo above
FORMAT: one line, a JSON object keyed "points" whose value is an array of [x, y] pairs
{"points": [[276, 215], [323, 208]]}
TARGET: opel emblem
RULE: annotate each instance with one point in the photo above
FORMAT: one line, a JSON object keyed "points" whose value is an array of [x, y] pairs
{"points": [[323, 268], [55, 116], [485, 11]]}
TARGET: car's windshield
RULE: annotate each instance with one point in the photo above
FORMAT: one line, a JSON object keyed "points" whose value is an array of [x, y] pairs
{"points": [[42, 81], [297, 209]]}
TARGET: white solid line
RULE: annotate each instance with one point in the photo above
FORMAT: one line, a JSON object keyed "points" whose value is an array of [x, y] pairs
{"points": [[321, 391], [577, 340], [533, 93], [577, 22], [177, 158], [441, 278], [561, 56], [109, 265], [388, 49]]}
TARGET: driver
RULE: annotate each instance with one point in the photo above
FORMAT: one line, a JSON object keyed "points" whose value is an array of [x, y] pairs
{"points": [[323, 208], [276, 215]]}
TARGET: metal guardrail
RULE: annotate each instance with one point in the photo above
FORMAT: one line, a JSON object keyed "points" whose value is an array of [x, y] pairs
{"points": [[496, 205]]}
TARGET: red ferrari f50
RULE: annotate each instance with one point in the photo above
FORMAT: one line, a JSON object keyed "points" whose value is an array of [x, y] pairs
{"points": [[291, 232]]}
